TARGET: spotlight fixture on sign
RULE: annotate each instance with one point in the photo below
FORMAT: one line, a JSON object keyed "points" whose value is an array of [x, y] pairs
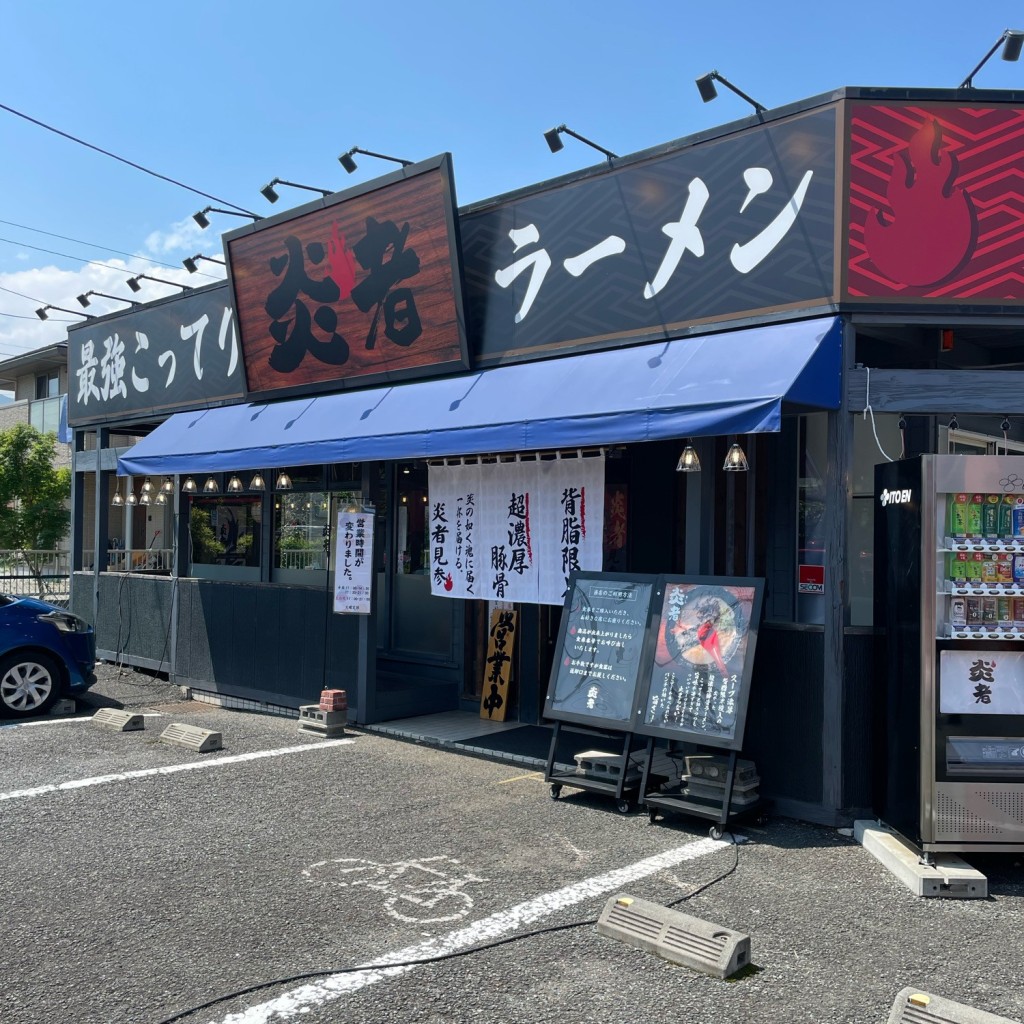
{"points": [[552, 138], [41, 312], [189, 262], [84, 298], [1012, 40], [688, 462], [350, 165], [735, 460], [133, 282], [707, 90], [204, 222], [270, 194]]}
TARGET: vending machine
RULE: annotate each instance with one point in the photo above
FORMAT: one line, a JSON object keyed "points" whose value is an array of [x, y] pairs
{"points": [[948, 756]]}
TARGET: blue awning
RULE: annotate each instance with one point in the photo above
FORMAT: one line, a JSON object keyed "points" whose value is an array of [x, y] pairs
{"points": [[728, 383]]}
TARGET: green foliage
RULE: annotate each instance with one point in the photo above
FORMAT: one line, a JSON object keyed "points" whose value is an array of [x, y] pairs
{"points": [[205, 546], [33, 493]]}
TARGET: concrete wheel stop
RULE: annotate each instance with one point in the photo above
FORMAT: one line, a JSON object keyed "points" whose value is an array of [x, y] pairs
{"points": [[946, 876]]}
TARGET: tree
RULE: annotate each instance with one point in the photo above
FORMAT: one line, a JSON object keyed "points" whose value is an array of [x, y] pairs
{"points": [[33, 496]]}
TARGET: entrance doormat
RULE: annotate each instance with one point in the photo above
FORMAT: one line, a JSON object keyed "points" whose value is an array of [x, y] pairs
{"points": [[535, 741]]}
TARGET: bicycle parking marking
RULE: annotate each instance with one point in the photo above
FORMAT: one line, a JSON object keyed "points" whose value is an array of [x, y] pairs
{"points": [[416, 891], [170, 769], [303, 999]]}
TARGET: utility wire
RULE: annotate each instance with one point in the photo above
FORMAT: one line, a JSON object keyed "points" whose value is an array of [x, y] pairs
{"points": [[95, 263], [49, 319], [130, 163], [21, 295], [92, 245]]}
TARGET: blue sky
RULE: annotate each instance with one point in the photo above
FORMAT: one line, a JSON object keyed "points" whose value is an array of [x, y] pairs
{"points": [[224, 97]]}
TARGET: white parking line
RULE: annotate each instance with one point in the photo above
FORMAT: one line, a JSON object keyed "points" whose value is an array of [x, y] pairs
{"points": [[171, 769], [301, 1000], [65, 721]]}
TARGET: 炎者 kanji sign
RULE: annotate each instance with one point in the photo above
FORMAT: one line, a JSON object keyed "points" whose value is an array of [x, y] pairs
{"points": [[362, 285]]}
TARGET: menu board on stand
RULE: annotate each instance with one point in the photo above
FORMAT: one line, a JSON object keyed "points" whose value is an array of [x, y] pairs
{"points": [[656, 656]]}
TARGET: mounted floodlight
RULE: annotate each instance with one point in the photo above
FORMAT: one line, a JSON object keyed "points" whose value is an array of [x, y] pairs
{"points": [[84, 298], [707, 90], [204, 222], [41, 312], [189, 262], [553, 138], [1012, 40], [350, 165], [133, 282], [270, 194]]}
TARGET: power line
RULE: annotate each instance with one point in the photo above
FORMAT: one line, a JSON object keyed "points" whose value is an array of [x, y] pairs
{"points": [[50, 319], [81, 242], [22, 295], [130, 163], [95, 263]]}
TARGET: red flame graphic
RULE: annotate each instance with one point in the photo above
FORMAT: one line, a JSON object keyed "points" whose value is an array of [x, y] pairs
{"points": [[933, 227], [707, 636], [343, 268], [448, 582]]}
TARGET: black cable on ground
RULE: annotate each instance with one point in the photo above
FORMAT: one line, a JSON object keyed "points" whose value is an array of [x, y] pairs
{"points": [[549, 930]]}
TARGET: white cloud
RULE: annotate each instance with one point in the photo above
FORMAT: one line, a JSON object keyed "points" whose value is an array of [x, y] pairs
{"points": [[186, 236], [48, 284]]}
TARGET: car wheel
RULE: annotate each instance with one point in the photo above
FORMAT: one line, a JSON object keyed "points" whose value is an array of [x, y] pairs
{"points": [[29, 684]]}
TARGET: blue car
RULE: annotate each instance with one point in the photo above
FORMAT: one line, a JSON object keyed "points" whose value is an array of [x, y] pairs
{"points": [[45, 653]]}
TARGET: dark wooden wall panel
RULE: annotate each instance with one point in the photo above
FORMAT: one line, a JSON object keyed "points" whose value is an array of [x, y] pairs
{"points": [[784, 717]]}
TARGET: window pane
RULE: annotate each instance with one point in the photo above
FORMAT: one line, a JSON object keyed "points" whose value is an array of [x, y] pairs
{"points": [[810, 602], [302, 531], [225, 531]]}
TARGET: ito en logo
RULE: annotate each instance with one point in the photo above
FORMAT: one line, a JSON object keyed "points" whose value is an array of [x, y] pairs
{"points": [[888, 497]]}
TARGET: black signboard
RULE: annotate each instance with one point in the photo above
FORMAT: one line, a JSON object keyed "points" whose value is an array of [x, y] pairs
{"points": [[698, 683], [602, 644], [169, 355], [716, 230]]}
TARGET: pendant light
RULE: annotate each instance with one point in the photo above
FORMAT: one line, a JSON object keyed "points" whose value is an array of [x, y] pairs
{"points": [[283, 482], [189, 486], [117, 500], [235, 484], [257, 483], [167, 487], [147, 487], [211, 486], [131, 499], [735, 460], [688, 461]]}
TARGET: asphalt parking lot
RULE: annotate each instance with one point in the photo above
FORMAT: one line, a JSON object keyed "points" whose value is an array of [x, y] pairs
{"points": [[142, 880]]}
